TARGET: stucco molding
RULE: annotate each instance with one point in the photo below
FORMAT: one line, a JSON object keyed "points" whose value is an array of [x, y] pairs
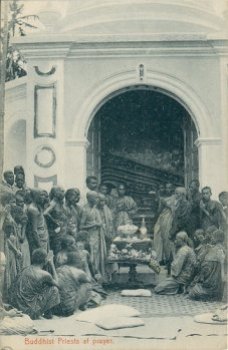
{"points": [[39, 48], [122, 45], [45, 74], [208, 141], [113, 85], [77, 143], [180, 45], [90, 14]]}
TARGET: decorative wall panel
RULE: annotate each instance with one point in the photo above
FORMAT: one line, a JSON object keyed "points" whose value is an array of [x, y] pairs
{"points": [[45, 157], [45, 111], [46, 183], [45, 74]]}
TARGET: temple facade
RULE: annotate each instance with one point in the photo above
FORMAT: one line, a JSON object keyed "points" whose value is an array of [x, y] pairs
{"points": [[133, 91]]}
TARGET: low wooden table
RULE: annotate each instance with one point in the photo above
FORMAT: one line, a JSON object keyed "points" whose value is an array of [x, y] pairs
{"points": [[133, 281], [131, 261]]}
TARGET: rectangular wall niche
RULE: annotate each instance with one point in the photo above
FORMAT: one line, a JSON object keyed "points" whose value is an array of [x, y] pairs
{"points": [[45, 183], [45, 111]]}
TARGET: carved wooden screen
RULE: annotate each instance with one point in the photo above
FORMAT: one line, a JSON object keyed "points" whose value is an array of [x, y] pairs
{"points": [[191, 165], [94, 149]]}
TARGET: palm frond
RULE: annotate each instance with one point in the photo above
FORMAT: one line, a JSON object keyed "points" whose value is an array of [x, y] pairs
{"points": [[28, 17], [28, 25], [21, 7]]}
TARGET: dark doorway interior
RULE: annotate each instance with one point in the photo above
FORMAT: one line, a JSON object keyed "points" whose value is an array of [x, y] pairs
{"points": [[143, 138]]}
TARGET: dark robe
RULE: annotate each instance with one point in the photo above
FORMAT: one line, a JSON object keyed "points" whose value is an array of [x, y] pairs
{"points": [[181, 219], [36, 229], [11, 249], [162, 227], [91, 217], [125, 209], [57, 226], [182, 271], [73, 214], [34, 292], [194, 200], [209, 283], [215, 217], [75, 290]]}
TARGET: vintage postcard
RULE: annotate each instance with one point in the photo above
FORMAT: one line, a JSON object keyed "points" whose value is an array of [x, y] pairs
{"points": [[114, 174]]}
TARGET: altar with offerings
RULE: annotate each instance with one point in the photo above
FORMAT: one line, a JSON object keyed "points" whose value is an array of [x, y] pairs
{"points": [[130, 248]]}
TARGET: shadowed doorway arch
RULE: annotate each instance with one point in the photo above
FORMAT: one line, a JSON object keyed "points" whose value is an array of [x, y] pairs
{"points": [[143, 137]]}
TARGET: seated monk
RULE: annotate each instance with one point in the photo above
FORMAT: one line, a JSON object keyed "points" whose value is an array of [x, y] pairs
{"points": [[83, 248], [87, 266], [12, 321], [210, 280], [3, 311], [75, 286], [68, 245], [202, 246], [182, 267], [35, 291]]}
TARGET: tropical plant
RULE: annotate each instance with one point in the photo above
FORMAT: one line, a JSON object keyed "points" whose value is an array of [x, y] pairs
{"points": [[12, 62], [17, 21], [15, 62], [4, 45]]}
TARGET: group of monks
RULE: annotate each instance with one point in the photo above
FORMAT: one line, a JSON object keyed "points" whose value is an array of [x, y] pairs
{"points": [[74, 233], [39, 227], [190, 238]]}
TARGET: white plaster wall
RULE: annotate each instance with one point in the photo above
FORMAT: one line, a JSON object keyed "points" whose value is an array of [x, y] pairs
{"points": [[200, 75], [193, 67], [82, 85], [56, 144], [15, 152]]}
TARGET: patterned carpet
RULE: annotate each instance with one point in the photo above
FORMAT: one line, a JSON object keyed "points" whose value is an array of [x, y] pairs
{"points": [[162, 305]]}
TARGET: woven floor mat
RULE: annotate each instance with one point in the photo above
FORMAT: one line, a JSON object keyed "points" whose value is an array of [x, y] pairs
{"points": [[163, 305]]}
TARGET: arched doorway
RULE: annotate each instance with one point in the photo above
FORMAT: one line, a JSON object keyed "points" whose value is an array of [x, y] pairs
{"points": [[143, 137]]}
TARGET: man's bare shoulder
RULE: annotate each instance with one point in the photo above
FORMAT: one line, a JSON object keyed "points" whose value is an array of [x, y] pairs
{"points": [[32, 209]]}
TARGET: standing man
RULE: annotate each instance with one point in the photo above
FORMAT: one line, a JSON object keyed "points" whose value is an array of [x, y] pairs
{"points": [[181, 219], [162, 227], [211, 212], [7, 183], [125, 207], [105, 190], [20, 183], [73, 211], [181, 214], [223, 199], [36, 229], [194, 197], [91, 222], [92, 183], [18, 169], [56, 217]]}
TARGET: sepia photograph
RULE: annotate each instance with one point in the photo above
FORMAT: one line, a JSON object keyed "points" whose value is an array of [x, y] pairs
{"points": [[114, 174]]}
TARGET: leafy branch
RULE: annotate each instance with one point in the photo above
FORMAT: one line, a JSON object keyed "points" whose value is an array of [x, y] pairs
{"points": [[17, 23], [17, 20]]}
